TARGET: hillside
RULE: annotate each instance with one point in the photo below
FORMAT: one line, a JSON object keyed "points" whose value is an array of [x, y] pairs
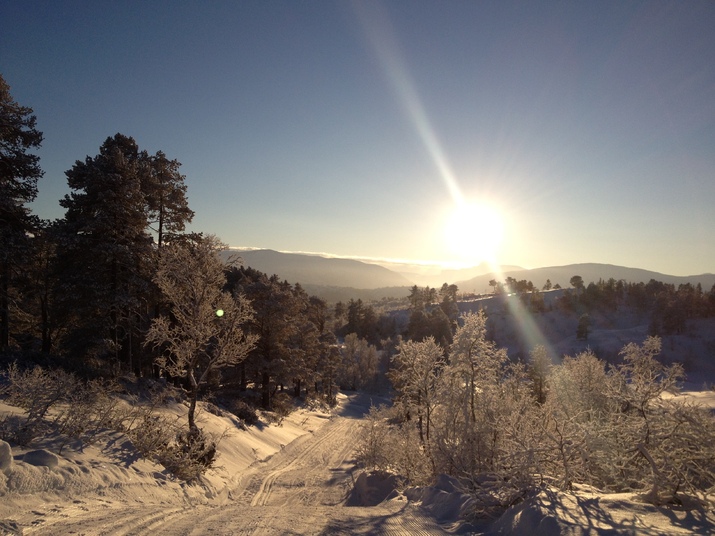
{"points": [[342, 279], [452, 275], [513, 327], [320, 271], [590, 272]]}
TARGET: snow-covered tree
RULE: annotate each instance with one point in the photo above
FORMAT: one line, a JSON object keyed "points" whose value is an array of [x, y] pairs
{"points": [[205, 329], [359, 362], [416, 368]]}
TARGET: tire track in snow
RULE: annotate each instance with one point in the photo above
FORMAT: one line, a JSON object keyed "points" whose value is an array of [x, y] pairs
{"points": [[336, 427]]}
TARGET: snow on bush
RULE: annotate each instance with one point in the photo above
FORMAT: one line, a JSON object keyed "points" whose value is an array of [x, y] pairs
{"points": [[58, 404], [482, 419]]}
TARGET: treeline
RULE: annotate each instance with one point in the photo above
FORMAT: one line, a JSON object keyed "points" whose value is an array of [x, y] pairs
{"points": [[118, 286], [670, 307]]}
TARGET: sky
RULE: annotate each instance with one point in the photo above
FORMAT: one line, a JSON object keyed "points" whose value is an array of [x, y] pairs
{"points": [[445, 133]]}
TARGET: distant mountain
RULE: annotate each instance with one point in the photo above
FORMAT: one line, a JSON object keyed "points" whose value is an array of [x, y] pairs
{"points": [[590, 272], [451, 276], [315, 271], [343, 279]]}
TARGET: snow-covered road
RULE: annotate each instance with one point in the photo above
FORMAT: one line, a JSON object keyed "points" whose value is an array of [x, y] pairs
{"points": [[299, 490]]}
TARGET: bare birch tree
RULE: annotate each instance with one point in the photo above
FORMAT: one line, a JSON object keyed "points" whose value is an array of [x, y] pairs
{"points": [[204, 331]]}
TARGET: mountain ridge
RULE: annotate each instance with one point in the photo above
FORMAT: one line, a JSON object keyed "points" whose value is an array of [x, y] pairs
{"points": [[590, 272], [318, 270], [339, 279]]}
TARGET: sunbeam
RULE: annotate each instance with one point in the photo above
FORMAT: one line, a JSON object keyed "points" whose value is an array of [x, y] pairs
{"points": [[474, 228], [380, 33]]}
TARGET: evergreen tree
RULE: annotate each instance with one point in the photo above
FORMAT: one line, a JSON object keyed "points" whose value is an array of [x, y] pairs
{"points": [[275, 322], [106, 250], [19, 173], [123, 206], [167, 206]]}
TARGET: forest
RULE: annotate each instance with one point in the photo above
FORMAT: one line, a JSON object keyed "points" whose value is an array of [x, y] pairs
{"points": [[118, 297]]}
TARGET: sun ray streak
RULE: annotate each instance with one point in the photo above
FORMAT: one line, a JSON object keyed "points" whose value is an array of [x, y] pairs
{"points": [[380, 33], [529, 331]]}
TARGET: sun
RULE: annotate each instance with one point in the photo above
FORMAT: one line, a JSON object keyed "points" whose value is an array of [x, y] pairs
{"points": [[473, 232]]}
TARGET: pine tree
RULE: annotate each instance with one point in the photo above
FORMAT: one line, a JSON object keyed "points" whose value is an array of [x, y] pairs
{"points": [[106, 250], [165, 191], [19, 172], [123, 208]]}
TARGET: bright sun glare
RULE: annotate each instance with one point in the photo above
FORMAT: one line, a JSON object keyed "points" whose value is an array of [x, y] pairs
{"points": [[474, 232]]}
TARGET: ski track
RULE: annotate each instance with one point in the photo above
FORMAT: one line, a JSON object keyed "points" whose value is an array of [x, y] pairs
{"points": [[299, 490]]}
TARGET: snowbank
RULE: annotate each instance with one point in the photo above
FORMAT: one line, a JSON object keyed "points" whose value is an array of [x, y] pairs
{"points": [[112, 467]]}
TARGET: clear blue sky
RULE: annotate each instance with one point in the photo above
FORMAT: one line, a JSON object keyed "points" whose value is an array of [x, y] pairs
{"points": [[354, 128]]}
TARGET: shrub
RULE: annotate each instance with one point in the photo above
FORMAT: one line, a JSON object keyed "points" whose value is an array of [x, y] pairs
{"points": [[190, 455], [373, 441], [58, 401], [152, 434], [282, 405], [36, 391], [243, 411]]}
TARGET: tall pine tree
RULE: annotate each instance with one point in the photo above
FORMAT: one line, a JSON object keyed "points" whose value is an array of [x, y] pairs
{"points": [[106, 249], [168, 209], [19, 172], [123, 205]]}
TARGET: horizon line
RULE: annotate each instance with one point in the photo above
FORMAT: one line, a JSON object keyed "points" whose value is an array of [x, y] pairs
{"points": [[430, 264]]}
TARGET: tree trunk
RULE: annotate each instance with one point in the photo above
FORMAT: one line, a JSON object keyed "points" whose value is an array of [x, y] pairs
{"points": [[4, 305], [194, 394], [265, 390], [243, 382], [46, 332], [192, 410]]}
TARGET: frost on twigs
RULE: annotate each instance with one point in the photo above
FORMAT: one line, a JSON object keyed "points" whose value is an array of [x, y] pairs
{"points": [[60, 403], [193, 342], [506, 432]]}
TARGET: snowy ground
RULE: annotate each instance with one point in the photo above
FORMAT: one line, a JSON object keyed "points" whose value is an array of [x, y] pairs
{"points": [[296, 478]]}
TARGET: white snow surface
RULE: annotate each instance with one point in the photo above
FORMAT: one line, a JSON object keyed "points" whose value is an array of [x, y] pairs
{"points": [[299, 477]]}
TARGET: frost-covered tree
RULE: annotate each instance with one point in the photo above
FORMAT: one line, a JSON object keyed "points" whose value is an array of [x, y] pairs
{"points": [[359, 363], [416, 368], [476, 360], [205, 330], [617, 430]]}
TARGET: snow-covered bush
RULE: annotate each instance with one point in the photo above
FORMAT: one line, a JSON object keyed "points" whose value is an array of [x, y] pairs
{"points": [[58, 401], [189, 455], [615, 430], [664, 445], [503, 436], [243, 411], [391, 444], [373, 444], [36, 391], [282, 406]]}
